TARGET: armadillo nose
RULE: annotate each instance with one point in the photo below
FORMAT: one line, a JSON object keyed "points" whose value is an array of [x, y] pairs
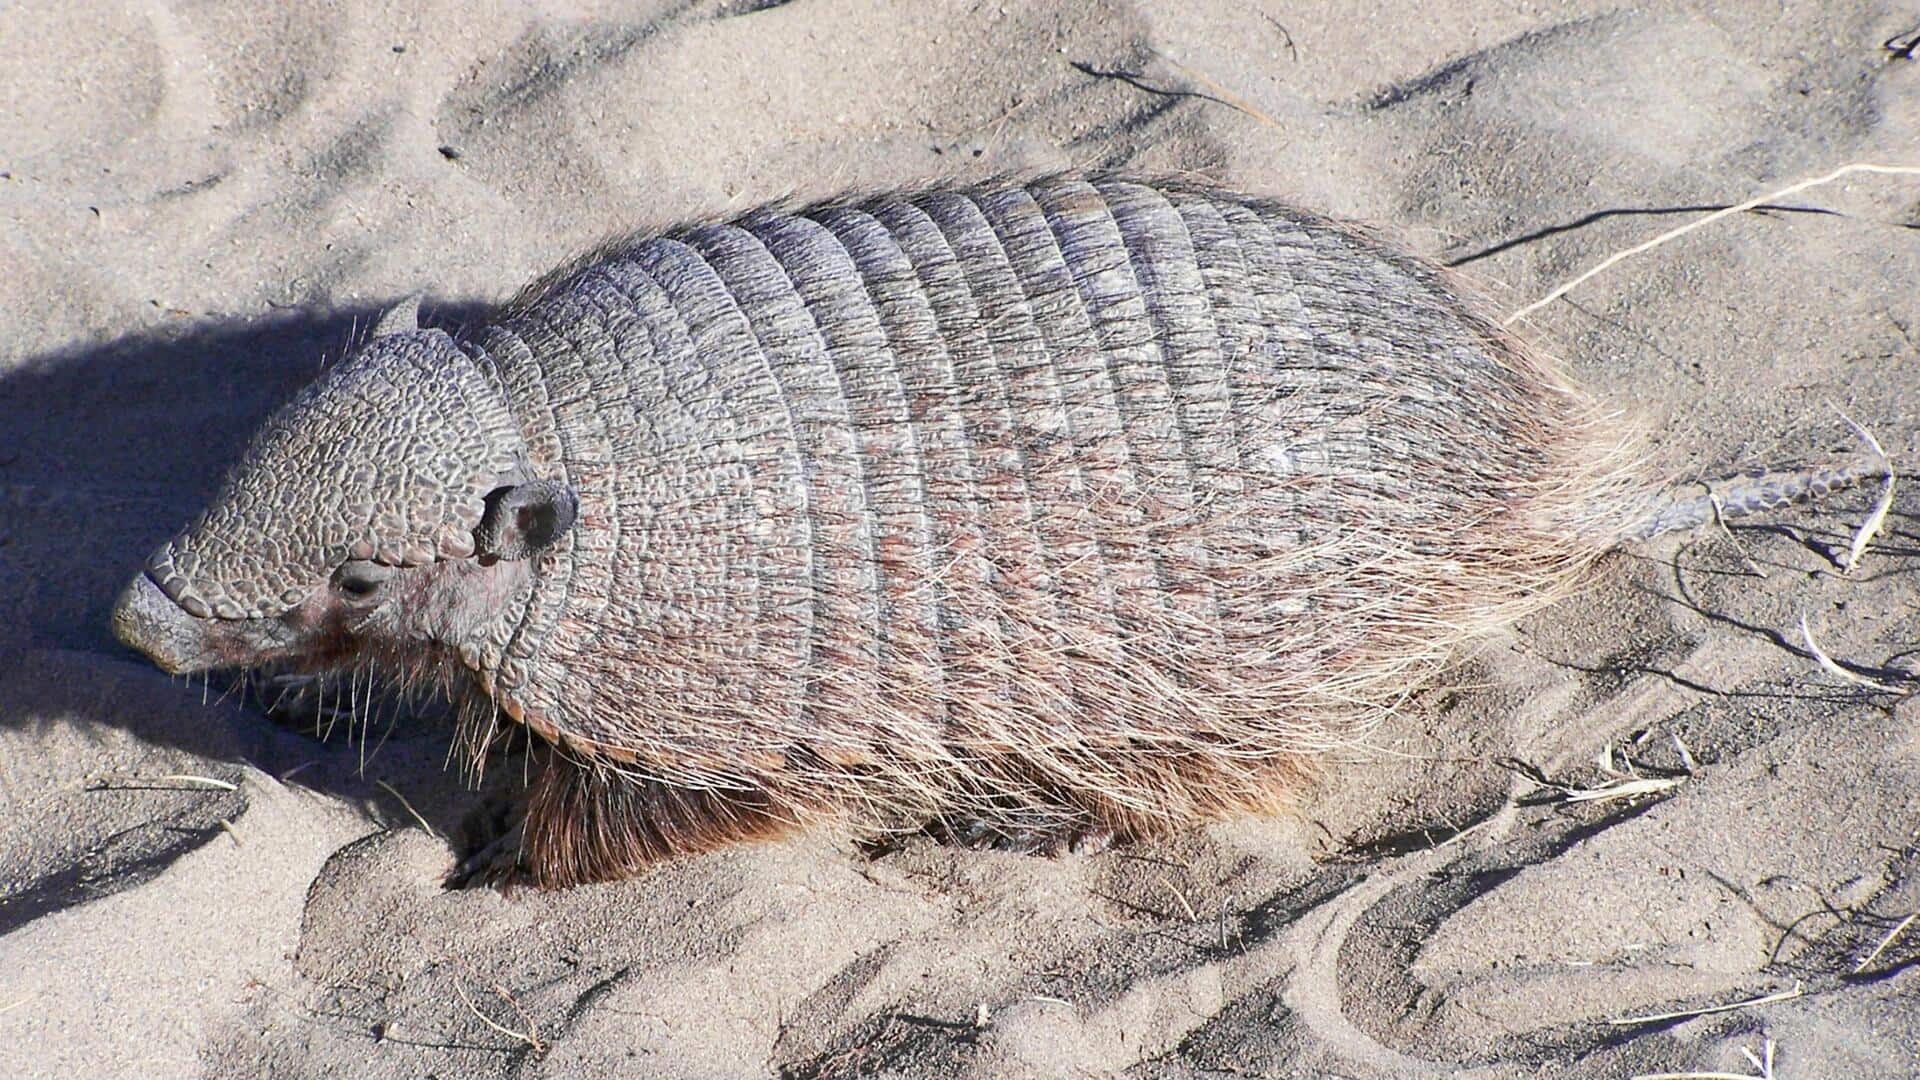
{"points": [[147, 620]]}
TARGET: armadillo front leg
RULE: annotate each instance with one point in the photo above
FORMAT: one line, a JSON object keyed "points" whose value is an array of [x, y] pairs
{"points": [[582, 823]]}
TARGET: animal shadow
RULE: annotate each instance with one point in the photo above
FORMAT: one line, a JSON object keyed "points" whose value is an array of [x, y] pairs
{"points": [[106, 449]]}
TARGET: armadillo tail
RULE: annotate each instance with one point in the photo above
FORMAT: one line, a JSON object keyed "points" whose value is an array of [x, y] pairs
{"points": [[1749, 493]]}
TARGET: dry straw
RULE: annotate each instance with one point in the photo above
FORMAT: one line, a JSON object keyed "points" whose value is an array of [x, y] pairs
{"points": [[391, 790], [1832, 667], [1751, 204], [1884, 942], [1870, 527], [530, 1037], [187, 778], [1762, 1061], [1655, 1018]]}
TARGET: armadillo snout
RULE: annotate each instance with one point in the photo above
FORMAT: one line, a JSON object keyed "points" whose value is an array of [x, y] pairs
{"points": [[147, 619]]}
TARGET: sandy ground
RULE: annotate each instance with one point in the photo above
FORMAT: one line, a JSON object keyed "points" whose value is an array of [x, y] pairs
{"points": [[201, 201]]}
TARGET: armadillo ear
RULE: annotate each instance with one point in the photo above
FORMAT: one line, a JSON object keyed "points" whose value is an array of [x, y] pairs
{"points": [[526, 519], [401, 318]]}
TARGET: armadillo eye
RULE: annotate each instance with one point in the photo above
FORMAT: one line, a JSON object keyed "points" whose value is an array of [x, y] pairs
{"points": [[360, 580]]}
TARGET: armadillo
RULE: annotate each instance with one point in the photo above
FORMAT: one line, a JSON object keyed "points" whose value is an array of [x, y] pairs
{"points": [[1067, 510]]}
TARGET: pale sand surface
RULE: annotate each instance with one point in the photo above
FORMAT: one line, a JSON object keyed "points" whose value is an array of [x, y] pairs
{"points": [[199, 201]]}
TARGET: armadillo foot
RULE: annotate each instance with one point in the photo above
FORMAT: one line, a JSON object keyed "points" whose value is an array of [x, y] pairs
{"points": [[1053, 839], [496, 835], [581, 822]]}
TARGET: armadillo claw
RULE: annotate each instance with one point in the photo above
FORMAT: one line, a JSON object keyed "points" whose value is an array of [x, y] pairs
{"points": [[495, 860]]}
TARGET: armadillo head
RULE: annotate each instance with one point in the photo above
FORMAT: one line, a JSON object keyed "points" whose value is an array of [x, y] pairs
{"points": [[387, 508]]}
